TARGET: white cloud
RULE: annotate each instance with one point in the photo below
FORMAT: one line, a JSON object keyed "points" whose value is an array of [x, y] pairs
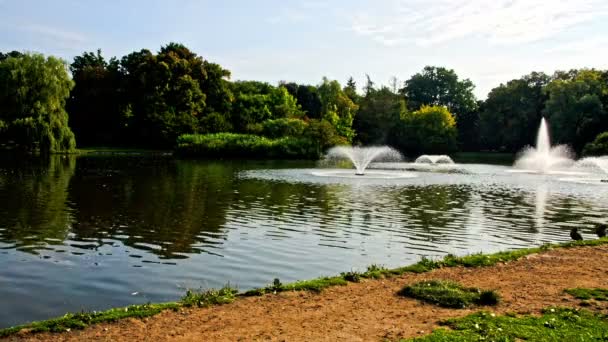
{"points": [[428, 23]]}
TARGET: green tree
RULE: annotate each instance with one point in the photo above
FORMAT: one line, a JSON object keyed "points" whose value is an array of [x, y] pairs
{"points": [[95, 106], [598, 147], [439, 86], [575, 107], [350, 89], [171, 93], [256, 102], [511, 114], [431, 129], [337, 108], [378, 113], [307, 97], [33, 93]]}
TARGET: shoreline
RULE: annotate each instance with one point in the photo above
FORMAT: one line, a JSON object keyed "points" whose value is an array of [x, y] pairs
{"points": [[212, 298]]}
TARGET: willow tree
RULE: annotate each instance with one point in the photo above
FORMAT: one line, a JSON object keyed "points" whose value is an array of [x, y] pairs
{"points": [[33, 93]]}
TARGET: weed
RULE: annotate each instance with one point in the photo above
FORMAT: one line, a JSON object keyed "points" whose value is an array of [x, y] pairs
{"points": [[449, 294], [556, 324], [209, 297], [586, 294]]}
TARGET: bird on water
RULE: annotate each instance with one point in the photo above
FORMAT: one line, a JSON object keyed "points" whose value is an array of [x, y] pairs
{"points": [[575, 235], [600, 230]]}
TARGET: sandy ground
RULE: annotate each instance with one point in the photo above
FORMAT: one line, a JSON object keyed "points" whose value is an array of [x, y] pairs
{"points": [[365, 311]]}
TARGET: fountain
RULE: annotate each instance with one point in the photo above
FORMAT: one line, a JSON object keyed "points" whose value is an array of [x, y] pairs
{"points": [[593, 165], [543, 158], [434, 159], [361, 157]]}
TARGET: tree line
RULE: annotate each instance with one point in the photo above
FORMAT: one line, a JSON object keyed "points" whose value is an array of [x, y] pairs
{"points": [[147, 99]]}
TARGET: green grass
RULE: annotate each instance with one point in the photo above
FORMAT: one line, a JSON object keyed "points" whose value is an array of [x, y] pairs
{"points": [[314, 285], [209, 297], [449, 294], [586, 294], [81, 320], [555, 324]]}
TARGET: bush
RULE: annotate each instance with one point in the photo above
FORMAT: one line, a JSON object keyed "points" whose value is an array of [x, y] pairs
{"points": [[231, 145], [449, 294], [284, 127], [597, 147]]}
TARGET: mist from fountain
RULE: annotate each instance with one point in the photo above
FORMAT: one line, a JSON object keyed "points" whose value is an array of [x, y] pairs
{"points": [[361, 157], [544, 158], [434, 159]]}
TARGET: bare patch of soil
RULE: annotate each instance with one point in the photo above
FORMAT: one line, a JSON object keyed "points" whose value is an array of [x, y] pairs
{"points": [[369, 310]]}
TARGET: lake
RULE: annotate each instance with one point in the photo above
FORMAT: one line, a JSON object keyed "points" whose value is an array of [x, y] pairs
{"points": [[94, 232]]}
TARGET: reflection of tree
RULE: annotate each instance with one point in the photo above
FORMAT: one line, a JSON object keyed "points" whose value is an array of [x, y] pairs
{"points": [[159, 205], [34, 195]]}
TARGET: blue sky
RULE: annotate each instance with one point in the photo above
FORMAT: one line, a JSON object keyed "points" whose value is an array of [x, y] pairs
{"points": [[489, 42]]}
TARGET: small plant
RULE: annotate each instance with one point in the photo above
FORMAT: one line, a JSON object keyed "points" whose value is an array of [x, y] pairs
{"points": [[351, 276], [209, 297], [449, 294], [586, 294], [556, 324], [375, 272]]}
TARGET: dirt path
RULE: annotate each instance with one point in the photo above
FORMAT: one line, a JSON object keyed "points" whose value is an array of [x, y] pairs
{"points": [[364, 311]]}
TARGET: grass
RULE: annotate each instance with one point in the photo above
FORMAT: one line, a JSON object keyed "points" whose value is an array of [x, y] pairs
{"points": [[586, 294], [82, 320], [449, 294], [222, 296], [209, 297], [555, 324]]}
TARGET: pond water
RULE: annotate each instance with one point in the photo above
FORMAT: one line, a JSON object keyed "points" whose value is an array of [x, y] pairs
{"points": [[94, 232]]}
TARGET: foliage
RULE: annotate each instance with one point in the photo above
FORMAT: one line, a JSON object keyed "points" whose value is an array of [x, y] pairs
{"points": [[379, 112], [209, 297], [283, 127], [556, 324], [95, 105], [437, 86], [585, 294], [449, 294], [511, 114], [337, 108], [256, 102], [575, 108], [597, 147], [234, 145], [431, 129], [33, 92], [322, 135], [82, 320]]}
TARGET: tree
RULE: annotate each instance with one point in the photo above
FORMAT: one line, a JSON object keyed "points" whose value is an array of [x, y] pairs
{"points": [[441, 87], [511, 114], [378, 113], [171, 93], [95, 105], [256, 102], [351, 90], [431, 129], [337, 108], [14, 54], [33, 93], [575, 107], [598, 147]]}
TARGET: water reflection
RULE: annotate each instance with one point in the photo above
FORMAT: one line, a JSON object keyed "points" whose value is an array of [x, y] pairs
{"points": [[113, 226]]}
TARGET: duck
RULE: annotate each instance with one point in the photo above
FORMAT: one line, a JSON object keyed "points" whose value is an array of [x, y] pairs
{"points": [[575, 235], [600, 230]]}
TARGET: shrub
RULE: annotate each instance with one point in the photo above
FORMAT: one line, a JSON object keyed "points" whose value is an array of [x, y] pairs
{"points": [[597, 147], [284, 127], [230, 145], [224, 295], [449, 294]]}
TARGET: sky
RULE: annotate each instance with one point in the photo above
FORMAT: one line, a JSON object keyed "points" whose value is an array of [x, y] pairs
{"points": [[488, 41]]}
